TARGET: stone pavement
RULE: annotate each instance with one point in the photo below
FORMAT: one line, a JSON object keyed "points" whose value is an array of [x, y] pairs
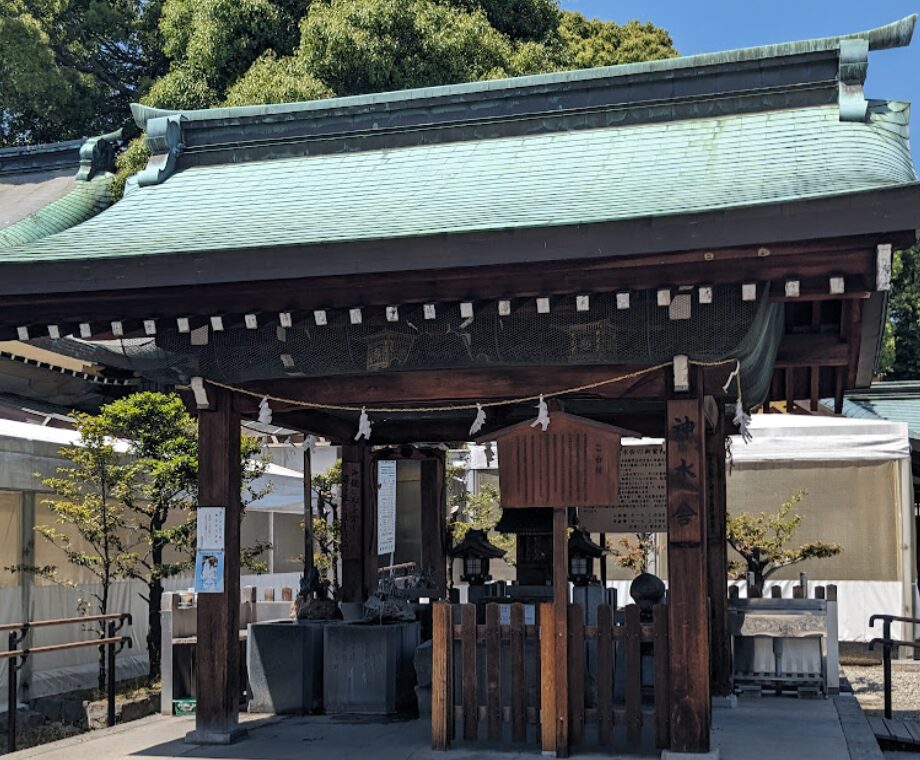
{"points": [[758, 729]]}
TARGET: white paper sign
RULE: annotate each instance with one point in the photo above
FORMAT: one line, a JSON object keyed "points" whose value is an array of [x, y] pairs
{"points": [[386, 507], [211, 528]]}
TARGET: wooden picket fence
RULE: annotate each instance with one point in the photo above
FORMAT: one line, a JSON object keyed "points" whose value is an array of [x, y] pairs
{"points": [[473, 653]]}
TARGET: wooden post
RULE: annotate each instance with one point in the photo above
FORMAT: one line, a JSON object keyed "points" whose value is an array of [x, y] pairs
{"points": [[717, 558], [561, 628], [687, 608], [307, 512], [355, 523], [434, 521], [442, 679], [218, 650], [547, 678]]}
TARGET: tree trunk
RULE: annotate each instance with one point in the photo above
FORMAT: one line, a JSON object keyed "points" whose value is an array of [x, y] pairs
{"points": [[155, 595], [104, 608]]}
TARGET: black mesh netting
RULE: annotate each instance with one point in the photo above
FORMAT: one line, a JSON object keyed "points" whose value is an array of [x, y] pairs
{"points": [[645, 333]]}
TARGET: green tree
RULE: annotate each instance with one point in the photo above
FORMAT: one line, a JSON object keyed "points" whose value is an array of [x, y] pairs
{"points": [[900, 356], [90, 496], [761, 541], [70, 68], [481, 511], [327, 532]]}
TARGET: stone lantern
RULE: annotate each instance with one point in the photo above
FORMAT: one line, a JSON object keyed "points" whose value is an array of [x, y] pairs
{"points": [[582, 553], [475, 550]]}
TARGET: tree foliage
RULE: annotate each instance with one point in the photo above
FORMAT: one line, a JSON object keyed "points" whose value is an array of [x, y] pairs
{"points": [[327, 532], [900, 357], [634, 556], [69, 68], [761, 540], [119, 512], [481, 511]]}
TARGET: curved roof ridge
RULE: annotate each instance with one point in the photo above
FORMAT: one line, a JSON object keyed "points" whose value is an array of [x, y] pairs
{"points": [[895, 34]]}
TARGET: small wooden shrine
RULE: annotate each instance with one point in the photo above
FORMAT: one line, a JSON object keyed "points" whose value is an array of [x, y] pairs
{"points": [[659, 245]]}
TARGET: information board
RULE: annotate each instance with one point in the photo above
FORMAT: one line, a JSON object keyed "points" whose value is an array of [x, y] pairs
{"points": [[210, 528], [642, 495], [386, 507]]}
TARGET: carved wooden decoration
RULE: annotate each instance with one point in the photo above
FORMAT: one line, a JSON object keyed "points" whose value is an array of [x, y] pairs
{"points": [[574, 463]]}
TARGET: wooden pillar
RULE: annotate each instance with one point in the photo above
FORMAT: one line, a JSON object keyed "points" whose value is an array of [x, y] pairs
{"points": [[434, 521], [717, 558], [561, 627], [358, 523], [307, 511], [218, 652], [688, 614]]}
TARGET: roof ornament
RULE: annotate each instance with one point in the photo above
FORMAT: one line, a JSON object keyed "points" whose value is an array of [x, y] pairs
{"points": [[97, 155], [854, 63], [164, 138]]}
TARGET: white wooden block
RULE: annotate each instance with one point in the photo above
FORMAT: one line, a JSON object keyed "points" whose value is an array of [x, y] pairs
{"points": [[287, 360], [705, 292], [355, 316], [504, 308], [182, 324], [542, 306], [319, 316], [582, 303], [284, 318], [664, 297], [54, 331], [466, 310], [86, 330], [681, 306], [150, 326], [201, 395], [117, 329], [429, 310], [23, 333], [199, 336], [252, 321], [281, 333], [837, 285], [749, 291], [681, 373], [392, 314], [622, 301], [217, 324], [793, 289], [883, 267]]}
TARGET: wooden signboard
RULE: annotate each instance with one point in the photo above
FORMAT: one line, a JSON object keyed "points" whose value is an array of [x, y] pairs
{"points": [[574, 463]]}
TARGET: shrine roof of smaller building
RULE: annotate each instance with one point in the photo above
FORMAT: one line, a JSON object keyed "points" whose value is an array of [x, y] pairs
{"points": [[45, 189], [761, 132]]}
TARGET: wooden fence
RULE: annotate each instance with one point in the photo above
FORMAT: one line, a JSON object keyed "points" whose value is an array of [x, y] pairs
{"points": [[471, 660]]}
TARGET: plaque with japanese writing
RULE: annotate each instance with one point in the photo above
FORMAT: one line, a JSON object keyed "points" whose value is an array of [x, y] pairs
{"points": [[575, 462]]}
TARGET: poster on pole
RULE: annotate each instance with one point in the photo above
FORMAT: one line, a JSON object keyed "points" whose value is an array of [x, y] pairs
{"points": [[210, 528], [386, 506], [209, 572]]}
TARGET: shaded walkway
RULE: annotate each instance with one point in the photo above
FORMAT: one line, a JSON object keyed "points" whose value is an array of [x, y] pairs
{"points": [[761, 729]]}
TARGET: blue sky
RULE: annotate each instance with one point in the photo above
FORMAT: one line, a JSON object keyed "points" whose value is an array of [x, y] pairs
{"points": [[711, 25]]}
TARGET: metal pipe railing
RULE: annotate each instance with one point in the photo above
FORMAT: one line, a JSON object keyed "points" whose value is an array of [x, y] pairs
{"points": [[17, 658], [887, 644]]}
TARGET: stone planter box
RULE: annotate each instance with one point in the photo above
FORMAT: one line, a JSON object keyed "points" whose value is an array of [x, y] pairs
{"points": [[369, 668], [285, 663]]}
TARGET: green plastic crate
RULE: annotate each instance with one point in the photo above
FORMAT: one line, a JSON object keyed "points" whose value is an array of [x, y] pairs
{"points": [[183, 707]]}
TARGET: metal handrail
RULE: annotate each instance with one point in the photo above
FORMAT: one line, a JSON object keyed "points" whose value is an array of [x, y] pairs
{"points": [[887, 644], [64, 621], [17, 657]]}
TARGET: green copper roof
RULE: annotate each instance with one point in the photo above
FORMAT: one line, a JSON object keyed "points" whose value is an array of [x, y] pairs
{"points": [[85, 200], [895, 401], [562, 178]]}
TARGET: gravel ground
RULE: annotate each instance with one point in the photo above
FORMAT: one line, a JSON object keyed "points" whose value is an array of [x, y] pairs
{"points": [[868, 686]]}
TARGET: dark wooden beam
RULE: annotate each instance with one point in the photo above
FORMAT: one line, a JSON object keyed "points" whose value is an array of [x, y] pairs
{"points": [[852, 257], [356, 465], [688, 616], [434, 520], [812, 350], [218, 651], [717, 559]]}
